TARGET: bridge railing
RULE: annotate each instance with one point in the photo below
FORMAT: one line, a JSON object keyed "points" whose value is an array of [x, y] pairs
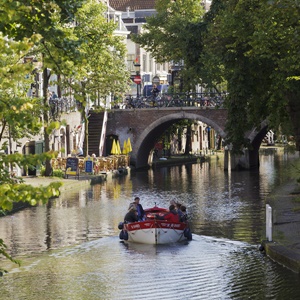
{"points": [[62, 105], [215, 100]]}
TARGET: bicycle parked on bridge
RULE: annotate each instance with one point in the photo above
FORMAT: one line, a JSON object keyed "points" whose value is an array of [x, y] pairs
{"points": [[152, 101], [175, 101], [134, 102], [211, 100]]}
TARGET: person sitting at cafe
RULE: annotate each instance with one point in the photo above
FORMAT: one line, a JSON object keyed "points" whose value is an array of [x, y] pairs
{"points": [[79, 151], [171, 216], [73, 153], [131, 215]]}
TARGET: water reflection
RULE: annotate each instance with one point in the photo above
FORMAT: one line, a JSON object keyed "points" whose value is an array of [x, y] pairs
{"points": [[221, 204], [70, 247]]}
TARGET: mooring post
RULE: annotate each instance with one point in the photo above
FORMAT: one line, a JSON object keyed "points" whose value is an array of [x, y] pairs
{"points": [[269, 223]]}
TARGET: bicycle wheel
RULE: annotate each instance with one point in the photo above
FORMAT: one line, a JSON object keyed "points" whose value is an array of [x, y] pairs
{"points": [[142, 105], [159, 102]]}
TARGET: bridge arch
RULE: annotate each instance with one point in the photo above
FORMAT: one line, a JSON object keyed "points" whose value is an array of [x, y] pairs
{"points": [[143, 126], [250, 157], [148, 136]]}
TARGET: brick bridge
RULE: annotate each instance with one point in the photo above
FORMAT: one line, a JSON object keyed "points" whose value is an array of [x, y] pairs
{"points": [[143, 126]]}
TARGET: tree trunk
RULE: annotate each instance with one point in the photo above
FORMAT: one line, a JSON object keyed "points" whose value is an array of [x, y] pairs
{"points": [[48, 168], [188, 140], [84, 117], [86, 132]]}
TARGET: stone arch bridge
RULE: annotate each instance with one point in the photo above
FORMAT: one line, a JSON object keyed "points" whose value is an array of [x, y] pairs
{"points": [[143, 126]]}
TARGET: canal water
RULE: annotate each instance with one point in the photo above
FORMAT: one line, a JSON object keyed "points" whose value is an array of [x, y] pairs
{"points": [[70, 248]]}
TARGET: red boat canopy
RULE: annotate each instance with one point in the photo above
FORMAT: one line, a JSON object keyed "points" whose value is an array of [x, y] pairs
{"points": [[156, 209]]}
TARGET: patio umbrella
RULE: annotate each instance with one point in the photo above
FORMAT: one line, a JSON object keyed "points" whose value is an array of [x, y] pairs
{"points": [[129, 148], [114, 148], [125, 147], [119, 147]]}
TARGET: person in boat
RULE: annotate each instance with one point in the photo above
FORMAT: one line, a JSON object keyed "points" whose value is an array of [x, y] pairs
{"points": [[171, 216], [173, 202], [131, 215], [184, 216], [178, 209], [139, 208]]}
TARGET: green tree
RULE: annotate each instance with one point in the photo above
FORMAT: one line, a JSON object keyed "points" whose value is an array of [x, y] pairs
{"points": [[253, 46], [102, 52], [19, 114], [99, 69], [46, 20], [24, 25], [64, 48], [174, 35], [19, 117]]}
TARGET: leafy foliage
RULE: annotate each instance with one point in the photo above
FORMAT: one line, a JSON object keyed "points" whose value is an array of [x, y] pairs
{"points": [[73, 39], [19, 114], [14, 190], [27, 18], [19, 192], [26, 27], [252, 45], [3, 252], [97, 62], [99, 67], [43, 23]]}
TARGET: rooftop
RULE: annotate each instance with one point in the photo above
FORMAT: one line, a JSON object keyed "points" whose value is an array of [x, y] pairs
{"points": [[121, 5]]}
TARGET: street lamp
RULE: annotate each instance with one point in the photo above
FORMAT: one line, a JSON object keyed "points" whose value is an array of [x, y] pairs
{"points": [[137, 78]]}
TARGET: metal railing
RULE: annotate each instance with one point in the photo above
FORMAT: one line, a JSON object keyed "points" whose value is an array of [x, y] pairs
{"points": [[201, 100], [215, 100]]}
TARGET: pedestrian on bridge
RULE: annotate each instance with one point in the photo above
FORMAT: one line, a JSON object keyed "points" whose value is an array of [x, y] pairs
{"points": [[155, 91]]}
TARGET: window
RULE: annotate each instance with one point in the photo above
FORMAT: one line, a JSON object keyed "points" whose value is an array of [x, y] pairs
{"points": [[130, 62]]}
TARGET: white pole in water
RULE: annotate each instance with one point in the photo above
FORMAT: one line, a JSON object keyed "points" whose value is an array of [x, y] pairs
{"points": [[269, 222]]}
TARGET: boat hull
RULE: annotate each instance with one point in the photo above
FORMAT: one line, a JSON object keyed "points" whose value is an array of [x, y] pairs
{"points": [[155, 232]]}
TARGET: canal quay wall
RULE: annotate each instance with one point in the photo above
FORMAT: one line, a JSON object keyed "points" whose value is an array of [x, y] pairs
{"points": [[72, 182], [284, 244]]}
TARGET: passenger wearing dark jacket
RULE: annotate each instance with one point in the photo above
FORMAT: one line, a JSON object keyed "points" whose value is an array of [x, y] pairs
{"points": [[131, 216], [171, 216], [139, 208], [184, 216]]}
